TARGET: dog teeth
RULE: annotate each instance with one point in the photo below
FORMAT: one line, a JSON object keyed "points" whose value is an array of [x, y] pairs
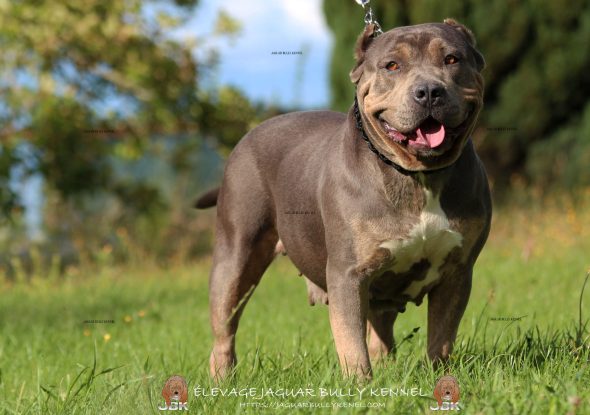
{"points": [[388, 127], [393, 133]]}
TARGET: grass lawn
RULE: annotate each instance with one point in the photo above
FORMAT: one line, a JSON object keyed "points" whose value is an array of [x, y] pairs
{"points": [[520, 348]]}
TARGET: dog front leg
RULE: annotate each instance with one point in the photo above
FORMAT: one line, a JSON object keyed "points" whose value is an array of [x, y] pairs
{"points": [[446, 304], [380, 335], [348, 305]]}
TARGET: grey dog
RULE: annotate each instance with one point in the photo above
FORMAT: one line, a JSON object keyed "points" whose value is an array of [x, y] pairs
{"points": [[376, 208]]}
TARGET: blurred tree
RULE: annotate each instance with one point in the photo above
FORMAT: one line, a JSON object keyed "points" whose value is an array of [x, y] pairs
{"points": [[92, 85], [537, 106], [230, 115], [8, 197], [63, 60]]}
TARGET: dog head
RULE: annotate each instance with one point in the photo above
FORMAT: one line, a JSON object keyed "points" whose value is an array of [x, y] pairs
{"points": [[419, 90], [447, 389], [175, 389]]}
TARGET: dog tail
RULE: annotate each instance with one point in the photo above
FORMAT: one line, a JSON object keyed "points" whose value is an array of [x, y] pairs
{"points": [[207, 199]]}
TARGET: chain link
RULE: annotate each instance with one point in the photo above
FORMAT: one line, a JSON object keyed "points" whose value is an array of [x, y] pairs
{"points": [[369, 17]]}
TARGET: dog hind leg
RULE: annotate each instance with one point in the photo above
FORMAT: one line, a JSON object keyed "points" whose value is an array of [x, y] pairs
{"points": [[246, 237], [237, 271]]}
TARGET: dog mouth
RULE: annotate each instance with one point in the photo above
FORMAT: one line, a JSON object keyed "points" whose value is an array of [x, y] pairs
{"points": [[430, 134]]}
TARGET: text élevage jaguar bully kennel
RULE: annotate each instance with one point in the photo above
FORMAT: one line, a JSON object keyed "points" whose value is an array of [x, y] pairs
{"points": [[376, 207]]}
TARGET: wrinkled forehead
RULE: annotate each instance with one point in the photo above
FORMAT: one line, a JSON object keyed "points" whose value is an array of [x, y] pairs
{"points": [[420, 38]]}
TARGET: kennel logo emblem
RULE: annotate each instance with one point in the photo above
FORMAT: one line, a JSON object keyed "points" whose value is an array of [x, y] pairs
{"points": [[175, 393], [446, 393]]}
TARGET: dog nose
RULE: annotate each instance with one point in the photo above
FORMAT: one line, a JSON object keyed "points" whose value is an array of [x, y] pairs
{"points": [[429, 94]]}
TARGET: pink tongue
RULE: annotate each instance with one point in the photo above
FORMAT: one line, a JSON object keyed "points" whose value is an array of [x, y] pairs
{"points": [[431, 132]]}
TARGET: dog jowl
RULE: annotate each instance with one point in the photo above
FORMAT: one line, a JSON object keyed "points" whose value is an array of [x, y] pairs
{"points": [[397, 202]]}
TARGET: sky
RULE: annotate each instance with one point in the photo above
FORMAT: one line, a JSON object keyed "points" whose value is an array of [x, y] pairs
{"points": [[270, 26]]}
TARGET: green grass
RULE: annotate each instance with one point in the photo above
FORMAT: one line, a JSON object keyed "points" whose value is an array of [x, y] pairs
{"points": [[50, 362]]}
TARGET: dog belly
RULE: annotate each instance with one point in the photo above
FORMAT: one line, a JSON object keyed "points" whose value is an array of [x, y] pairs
{"points": [[310, 262], [303, 240]]}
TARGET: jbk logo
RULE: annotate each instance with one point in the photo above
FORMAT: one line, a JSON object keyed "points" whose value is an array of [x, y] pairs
{"points": [[446, 394], [446, 406], [175, 393], [174, 406]]}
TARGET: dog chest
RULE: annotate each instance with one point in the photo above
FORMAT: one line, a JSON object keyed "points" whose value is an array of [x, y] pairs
{"points": [[425, 248]]}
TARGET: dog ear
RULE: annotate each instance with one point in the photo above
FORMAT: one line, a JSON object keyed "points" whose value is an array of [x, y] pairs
{"points": [[438, 393], [184, 393], [166, 392], [463, 29], [362, 45], [455, 392], [468, 34]]}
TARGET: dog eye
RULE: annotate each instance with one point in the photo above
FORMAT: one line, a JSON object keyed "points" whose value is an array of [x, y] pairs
{"points": [[451, 60], [392, 66]]}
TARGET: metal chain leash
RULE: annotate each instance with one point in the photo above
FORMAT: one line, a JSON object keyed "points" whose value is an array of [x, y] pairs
{"points": [[369, 17]]}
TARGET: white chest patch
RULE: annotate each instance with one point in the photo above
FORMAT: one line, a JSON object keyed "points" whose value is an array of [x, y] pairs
{"points": [[431, 238]]}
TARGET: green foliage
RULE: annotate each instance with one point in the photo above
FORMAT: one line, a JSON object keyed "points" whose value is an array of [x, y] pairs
{"points": [[70, 158], [225, 24], [101, 95], [96, 49], [64, 60], [564, 159], [229, 115], [536, 77], [8, 199]]}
